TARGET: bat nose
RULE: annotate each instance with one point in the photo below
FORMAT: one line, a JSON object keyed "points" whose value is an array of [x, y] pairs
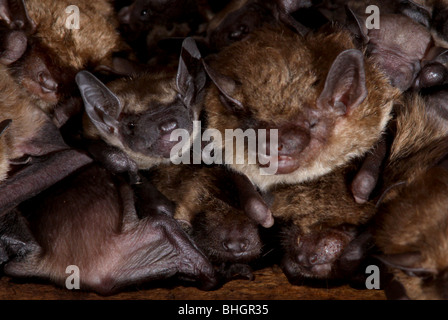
{"points": [[236, 246], [292, 141]]}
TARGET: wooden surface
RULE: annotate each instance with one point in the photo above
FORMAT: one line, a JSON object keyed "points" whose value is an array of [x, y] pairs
{"points": [[269, 284]]}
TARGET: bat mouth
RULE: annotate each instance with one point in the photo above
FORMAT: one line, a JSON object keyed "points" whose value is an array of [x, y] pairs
{"points": [[285, 164]]}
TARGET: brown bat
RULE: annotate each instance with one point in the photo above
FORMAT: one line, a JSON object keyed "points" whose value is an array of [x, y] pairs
{"points": [[208, 204], [89, 221], [410, 228], [34, 144], [398, 46], [153, 27], [44, 51], [136, 116], [241, 17], [325, 115], [320, 220]]}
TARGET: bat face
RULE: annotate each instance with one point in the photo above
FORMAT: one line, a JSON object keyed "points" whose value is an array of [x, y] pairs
{"points": [[139, 115], [391, 49], [320, 222], [313, 105], [314, 255], [41, 31], [235, 25], [415, 247], [142, 14], [226, 235]]}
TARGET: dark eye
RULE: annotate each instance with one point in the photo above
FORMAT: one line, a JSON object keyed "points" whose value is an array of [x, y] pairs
{"points": [[313, 123], [144, 13], [131, 126]]}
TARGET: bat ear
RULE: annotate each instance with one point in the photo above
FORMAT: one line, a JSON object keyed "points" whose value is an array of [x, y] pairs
{"points": [[356, 26], [15, 15], [416, 12], [191, 77], [226, 86], [13, 46], [345, 86], [286, 7], [102, 106], [4, 125], [406, 262]]}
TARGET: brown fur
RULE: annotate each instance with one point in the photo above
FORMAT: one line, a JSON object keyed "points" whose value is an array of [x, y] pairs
{"points": [[283, 86], [417, 221], [139, 94], [412, 215], [326, 201], [26, 118], [70, 50], [206, 200]]}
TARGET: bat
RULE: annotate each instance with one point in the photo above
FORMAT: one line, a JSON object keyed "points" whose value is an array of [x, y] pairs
{"points": [[33, 152], [153, 27], [411, 241], [136, 116], [398, 46], [39, 30], [240, 18], [314, 124], [208, 204], [321, 224], [89, 220], [412, 244]]}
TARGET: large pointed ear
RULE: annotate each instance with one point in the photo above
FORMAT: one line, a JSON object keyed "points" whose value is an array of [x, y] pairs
{"points": [[4, 125], [356, 25], [285, 10], [15, 15], [191, 77], [227, 88], [345, 86], [102, 106], [416, 12], [406, 262]]}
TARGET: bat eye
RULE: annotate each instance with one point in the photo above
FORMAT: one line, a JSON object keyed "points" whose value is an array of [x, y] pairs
{"points": [[313, 123], [131, 126], [144, 12]]}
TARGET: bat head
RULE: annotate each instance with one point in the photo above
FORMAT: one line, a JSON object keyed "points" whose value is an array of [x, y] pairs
{"points": [[236, 22], [397, 46], [314, 254], [241, 18], [138, 115], [317, 99], [142, 14], [45, 50], [413, 244], [227, 235]]}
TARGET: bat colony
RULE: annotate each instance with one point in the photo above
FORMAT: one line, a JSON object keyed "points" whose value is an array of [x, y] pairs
{"points": [[360, 113]]}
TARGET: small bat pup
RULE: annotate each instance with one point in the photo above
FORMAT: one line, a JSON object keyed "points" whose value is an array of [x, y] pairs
{"points": [[208, 204], [89, 223], [45, 49], [320, 221], [135, 116], [324, 101], [411, 226]]}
